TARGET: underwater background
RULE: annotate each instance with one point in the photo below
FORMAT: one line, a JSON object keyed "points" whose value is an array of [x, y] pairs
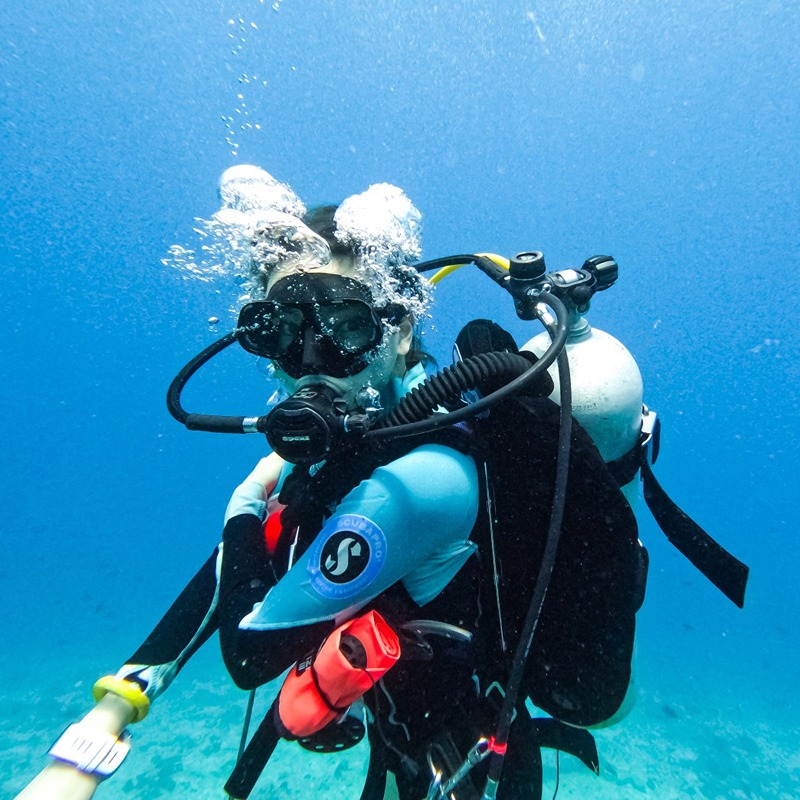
{"points": [[664, 133]]}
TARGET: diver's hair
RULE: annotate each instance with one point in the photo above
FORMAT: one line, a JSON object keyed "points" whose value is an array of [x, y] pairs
{"points": [[320, 219], [417, 354]]}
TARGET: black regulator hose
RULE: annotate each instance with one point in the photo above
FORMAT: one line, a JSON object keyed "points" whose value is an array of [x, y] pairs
{"points": [[475, 372], [534, 613], [414, 414], [214, 423]]}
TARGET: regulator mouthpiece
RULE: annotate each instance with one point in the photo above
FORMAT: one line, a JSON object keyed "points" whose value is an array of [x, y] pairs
{"points": [[305, 427]]}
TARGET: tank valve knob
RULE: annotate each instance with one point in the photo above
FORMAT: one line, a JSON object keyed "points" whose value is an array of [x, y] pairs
{"points": [[604, 269], [528, 266]]}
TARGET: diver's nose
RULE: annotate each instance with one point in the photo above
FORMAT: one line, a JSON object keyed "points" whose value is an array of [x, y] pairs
{"points": [[313, 356]]}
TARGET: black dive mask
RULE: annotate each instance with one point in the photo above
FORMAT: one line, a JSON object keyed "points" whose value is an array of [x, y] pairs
{"points": [[315, 324]]}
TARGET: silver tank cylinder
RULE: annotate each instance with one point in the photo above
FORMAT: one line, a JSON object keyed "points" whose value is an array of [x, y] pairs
{"points": [[606, 389]]}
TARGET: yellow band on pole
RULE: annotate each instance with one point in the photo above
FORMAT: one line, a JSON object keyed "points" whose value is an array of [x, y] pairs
{"points": [[127, 690]]}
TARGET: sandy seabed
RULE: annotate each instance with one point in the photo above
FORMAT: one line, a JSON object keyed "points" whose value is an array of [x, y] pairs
{"points": [[686, 747]]}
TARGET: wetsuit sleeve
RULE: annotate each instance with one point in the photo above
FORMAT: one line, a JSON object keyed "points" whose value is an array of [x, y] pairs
{"points": [[410, 521], [247, 574], [189, 622]]}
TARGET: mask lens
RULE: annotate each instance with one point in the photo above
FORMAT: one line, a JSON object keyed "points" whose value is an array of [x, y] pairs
{"points": [[269, 329], [351, 325]]}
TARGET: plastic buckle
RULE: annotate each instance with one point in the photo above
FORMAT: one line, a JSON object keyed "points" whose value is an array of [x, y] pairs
{"points": [[91, 751], [651, 436]]}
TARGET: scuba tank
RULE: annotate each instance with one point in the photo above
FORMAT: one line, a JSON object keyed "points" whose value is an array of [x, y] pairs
{"points": [[606, 389]]}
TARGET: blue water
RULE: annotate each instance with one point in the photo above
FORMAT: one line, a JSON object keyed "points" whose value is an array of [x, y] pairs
{"points": [[666, 133]]}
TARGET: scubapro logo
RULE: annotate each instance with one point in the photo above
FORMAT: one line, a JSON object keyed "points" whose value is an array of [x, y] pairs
{"points": [[344, 557]]}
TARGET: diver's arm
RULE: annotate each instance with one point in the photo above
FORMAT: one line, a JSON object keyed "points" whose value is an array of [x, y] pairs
{"points": [[246, 575], [193, 617], [409, 522], [62, 781], [189, 622]]}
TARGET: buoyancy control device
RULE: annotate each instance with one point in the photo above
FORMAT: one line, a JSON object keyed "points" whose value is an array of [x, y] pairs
{"points": [[605, 387]]}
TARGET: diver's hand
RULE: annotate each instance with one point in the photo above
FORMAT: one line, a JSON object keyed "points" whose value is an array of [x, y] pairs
{"points": [[251, 496], [60, 781], [267, 472]]}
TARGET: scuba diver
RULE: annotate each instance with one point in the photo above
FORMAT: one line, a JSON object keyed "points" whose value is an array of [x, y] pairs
{"points": [[423, 554]]}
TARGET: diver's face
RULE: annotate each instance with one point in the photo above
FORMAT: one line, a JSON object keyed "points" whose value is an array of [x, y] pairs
{"points": [[315, 357]]}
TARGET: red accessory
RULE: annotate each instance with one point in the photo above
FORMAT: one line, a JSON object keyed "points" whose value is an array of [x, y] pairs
{"points": [[350, 661], [272, 530]]}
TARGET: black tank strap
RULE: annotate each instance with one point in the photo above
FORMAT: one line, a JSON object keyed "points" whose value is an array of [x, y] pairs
{"points": [[625, 468], [725, 571]]}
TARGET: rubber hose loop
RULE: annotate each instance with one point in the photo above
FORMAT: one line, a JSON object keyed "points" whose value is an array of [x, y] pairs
{"points": [[463, 376]]}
